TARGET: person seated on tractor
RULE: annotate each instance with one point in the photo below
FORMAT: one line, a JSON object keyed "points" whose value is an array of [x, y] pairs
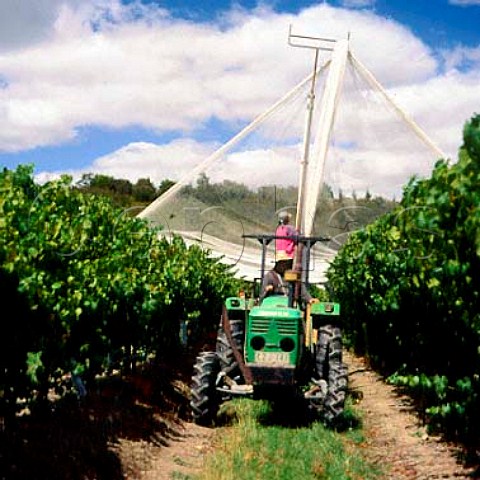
{"points": [[285, 247], [273, 282]]}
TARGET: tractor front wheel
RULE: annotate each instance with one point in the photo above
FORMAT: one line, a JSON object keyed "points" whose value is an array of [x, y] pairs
{"points": [[204, 398], [225, 353]]}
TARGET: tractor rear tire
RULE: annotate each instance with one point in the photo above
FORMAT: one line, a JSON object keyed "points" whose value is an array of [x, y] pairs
{"points": [[328, 349], [228, 362], [204, 400], [334, 403], [330, 367]]}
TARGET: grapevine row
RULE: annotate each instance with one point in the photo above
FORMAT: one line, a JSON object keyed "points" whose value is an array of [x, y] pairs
{"points": [[410, 287], [85, 288]]}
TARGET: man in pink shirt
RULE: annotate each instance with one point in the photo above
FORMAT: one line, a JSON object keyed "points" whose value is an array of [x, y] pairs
{"points": [[285, 247]]}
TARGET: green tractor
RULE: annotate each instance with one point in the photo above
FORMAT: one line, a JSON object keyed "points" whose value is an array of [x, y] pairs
{"points": [[282, 343]]}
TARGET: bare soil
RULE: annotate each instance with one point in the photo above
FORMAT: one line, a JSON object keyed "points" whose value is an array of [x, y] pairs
{"points": [[184, 456], [138, 428], [396, 439]]}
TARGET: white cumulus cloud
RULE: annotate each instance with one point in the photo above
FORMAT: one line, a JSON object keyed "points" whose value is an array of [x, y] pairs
{"points": [[144, 160], [103, 63]]}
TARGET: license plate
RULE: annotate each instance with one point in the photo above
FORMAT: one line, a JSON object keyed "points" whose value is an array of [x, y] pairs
{"points": [[272, 357]]}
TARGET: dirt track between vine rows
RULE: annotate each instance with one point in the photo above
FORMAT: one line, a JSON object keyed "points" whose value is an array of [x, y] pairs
{"points": [[395, 438]]}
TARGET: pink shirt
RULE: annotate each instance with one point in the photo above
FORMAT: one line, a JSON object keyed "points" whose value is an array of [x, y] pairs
{"points": [[285, 245]]}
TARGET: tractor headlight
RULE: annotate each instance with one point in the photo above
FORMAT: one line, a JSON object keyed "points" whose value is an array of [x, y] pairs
{"points": [[257, 343], [287, 344]]}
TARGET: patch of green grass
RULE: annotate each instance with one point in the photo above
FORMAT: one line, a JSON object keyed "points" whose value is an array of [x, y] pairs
{"points": [[180, 476], [253, 448], [179, 461]]}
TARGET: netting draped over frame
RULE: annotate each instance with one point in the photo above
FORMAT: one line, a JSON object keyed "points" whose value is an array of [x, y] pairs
{"points": [[373, 150]]}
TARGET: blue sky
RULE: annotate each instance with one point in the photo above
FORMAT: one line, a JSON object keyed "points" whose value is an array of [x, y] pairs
{"points": [[108, 86], [437, 22]]}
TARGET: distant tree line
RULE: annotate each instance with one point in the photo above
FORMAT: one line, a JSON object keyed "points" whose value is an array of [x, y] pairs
{"points": [[123, 192]]}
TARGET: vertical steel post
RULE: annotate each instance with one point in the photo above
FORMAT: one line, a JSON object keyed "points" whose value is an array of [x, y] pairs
{"points": [[300, 219], [317, 44]]}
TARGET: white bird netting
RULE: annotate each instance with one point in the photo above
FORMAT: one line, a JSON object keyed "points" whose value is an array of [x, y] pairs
{"points": [[373, 150]]}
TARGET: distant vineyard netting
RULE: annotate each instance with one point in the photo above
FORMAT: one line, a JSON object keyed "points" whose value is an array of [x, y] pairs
{"points": [[242, 186]]}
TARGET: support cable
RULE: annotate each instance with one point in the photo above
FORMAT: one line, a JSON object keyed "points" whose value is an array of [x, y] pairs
{"points": [[215, 156], [369, 77]]}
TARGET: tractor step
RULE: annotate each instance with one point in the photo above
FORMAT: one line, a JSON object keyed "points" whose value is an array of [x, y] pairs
{"points": [[237, 389]]}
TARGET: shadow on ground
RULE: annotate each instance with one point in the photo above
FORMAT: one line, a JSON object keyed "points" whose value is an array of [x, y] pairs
{"points": [[81, 440]]}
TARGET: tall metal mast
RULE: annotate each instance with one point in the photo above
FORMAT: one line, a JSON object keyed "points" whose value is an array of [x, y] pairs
{"points": [[316, 44]]}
